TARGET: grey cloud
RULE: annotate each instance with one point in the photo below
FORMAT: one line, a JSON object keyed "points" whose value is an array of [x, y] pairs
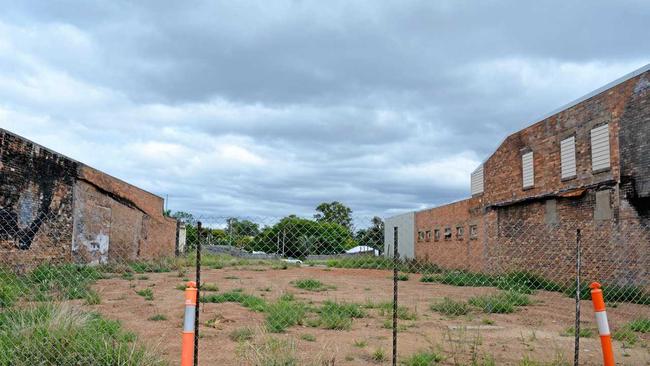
{"points": [[268, 108]]}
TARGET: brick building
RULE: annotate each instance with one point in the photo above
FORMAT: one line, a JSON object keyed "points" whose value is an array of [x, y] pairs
{"points": [[55, 209], [586, 165]]}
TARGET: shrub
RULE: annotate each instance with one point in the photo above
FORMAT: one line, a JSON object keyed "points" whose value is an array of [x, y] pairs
{"points": [[402, 277], [61, 335], [526, 283], [241, 334], [422, 358], [64, 282], [450, 307]]}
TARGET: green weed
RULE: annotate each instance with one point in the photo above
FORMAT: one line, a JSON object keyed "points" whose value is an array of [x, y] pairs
{"points": [[450, 307]]}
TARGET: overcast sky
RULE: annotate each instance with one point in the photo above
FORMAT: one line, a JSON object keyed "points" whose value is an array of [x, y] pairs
{"points": [[271, 107]]}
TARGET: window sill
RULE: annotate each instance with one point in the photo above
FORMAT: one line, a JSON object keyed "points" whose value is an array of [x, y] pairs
{"points": [[603, 170], [568, 178]]}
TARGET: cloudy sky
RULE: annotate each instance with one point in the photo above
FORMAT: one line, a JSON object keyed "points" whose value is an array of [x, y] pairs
{"points": [[271, 107]]}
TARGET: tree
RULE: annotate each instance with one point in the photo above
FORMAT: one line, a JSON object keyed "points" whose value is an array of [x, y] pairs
{"points": [[336, 213], [184, 217], [372, 236], [297, 238], [243, 227]]}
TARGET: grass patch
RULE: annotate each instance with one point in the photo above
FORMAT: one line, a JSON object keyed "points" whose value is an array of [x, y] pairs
{"points": [[92, 298], [61, 335], [147, 294], [310, 284], [248, 301], [272, 352], [308, 337], [360, 344], [241, 335], [625, 335], [463, 278], [209, 287], [157, 318], [526, 283], [403, 313], [422, 358], [143, 278], [333, 315], [402, 277], [379, 355], [429, 278], [584, 332], [501, 303], [450, 307], [284, 314], [640, 325]]}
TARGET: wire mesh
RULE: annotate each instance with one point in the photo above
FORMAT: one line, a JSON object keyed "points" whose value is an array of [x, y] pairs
{"points": [[298, 290]]}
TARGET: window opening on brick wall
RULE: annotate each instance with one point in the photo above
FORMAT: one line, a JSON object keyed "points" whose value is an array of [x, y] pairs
{"points": [[528, 170], [420, 235], [460, 232], [428, 235], [436, 235], [447, 233], [473, 231]]}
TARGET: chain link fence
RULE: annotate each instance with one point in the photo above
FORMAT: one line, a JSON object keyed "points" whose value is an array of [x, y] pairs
{"points": [[305, 291]]}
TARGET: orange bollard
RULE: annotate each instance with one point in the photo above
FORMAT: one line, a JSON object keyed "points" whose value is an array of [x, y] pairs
{"points": [[603, 325], [187, 351]]}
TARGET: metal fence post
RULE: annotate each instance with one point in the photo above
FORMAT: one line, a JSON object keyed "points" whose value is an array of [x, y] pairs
{"points": [[198, 294], [395, 268], [576, 351]]}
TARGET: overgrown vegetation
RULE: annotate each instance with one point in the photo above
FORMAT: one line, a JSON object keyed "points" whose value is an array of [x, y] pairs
{"points": [[146, 293], [450, 307], [241, 334], [311, 284], [283, 314], [62, 335], [423, 358], [333, 315], [584, 332], [502, 303], [248, 301]]}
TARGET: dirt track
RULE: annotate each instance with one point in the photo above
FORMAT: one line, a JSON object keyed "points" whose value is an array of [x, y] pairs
{"points": [[532, 331]]}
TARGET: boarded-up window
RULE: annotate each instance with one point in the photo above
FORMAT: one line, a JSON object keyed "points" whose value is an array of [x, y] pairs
{"points": [[600, 148], [568, 157], [436, 234], [477, 181], [528, 170]]}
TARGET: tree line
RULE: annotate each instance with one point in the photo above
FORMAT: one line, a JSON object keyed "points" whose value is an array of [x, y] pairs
{"points": [[331, 231]]}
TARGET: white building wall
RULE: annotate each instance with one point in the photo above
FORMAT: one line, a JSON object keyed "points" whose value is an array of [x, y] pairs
{"points": [[406, 235]]}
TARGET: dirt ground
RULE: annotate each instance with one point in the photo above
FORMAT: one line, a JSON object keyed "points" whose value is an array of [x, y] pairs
{"points": [[532, 332]]}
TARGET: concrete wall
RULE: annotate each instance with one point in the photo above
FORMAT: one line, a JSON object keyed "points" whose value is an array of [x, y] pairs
{"points": [[405, 224], [56, 209]]}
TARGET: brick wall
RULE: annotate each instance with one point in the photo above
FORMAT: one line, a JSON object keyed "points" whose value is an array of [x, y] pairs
{"points": [[611, 207], [57, 210]]}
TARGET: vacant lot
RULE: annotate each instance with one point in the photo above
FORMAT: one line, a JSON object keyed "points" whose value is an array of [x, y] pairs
{"points": [[316, 315]]}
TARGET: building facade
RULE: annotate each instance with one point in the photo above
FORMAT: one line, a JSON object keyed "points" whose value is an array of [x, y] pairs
{"points": [[55, 209], [587, 165]]}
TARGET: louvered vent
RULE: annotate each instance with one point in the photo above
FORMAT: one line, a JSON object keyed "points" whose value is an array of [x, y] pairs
{"points": [[528, 170], [600, 158], [477, 181], [568, 157]]}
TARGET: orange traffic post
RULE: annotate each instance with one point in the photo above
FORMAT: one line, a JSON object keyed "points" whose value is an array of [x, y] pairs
{"points": [[603, 325], [187, 351]]}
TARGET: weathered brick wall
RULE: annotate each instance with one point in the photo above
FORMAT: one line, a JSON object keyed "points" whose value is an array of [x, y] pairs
{"points": [[465, 252], [56, 210], [35, 200], [535, 229]]}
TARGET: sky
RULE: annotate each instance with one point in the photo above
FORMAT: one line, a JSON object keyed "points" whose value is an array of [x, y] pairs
{"points": [[268, 108]]}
